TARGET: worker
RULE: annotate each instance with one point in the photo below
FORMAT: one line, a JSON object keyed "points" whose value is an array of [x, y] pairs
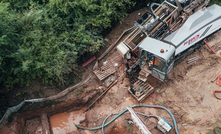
{"points": [[150, 62]]}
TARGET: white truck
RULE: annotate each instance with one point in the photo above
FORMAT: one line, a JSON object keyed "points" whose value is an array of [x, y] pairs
{"points": [[163, 36]]}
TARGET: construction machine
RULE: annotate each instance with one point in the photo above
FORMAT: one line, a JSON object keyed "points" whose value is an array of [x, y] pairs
{"points": [[162, 36]]}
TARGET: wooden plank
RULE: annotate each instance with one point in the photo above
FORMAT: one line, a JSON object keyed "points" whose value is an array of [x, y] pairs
{"points": [[144, 97], [89, 61], [144, 93], [137, 85], [104, 71], [132, 93]]}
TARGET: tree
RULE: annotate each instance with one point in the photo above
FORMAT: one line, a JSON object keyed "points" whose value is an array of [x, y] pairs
{"points": [[43, 39]]}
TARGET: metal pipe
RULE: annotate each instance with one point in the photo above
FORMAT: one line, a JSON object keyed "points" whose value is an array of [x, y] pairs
{"points": [[146, 116], [105, 91], [141, 105], [193, 58], [151, 9], [179, 6]]}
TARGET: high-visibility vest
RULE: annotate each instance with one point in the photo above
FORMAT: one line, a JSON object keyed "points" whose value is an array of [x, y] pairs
{"points": [[150, 63]]}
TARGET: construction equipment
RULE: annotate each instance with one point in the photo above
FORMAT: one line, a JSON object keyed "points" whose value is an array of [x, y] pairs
{"points": [[166, 34], [139, 123], [163, 125]]}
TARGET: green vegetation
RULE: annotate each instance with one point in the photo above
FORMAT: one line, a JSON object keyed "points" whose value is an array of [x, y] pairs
{"points": [[78, 91], [44, 39], [129, 127], [218, 2], [216, 130]]}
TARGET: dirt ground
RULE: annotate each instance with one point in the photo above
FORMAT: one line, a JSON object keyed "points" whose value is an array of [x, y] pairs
{"points": [[187, 93]]}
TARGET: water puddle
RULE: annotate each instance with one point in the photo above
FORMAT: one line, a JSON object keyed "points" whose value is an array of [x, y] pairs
{"points": [[64, 122]]}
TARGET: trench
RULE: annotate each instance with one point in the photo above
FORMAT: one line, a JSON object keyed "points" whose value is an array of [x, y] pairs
{"points": [[57, 119], [64, 122], [61, 118]]}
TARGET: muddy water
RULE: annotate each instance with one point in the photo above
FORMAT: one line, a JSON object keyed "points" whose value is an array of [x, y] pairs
{"points": [[64, 122]]}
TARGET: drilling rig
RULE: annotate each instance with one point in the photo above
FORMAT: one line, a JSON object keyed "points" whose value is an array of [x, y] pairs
{"points": [[163, 35]]}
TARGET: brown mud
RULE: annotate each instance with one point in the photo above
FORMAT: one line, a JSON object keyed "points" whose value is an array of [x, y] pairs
{"points": [[187, 93]]}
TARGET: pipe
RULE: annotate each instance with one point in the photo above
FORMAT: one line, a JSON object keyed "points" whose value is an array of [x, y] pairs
{"points": [[66, 91], [146, 116], [202, 120], [179, 6], [196, 57], [42, 126], [141, 105], [112, 84], [105, 121], [156, 106], [211, 49], [95, 128], [151, 9], [217, 91], [215, 77]]}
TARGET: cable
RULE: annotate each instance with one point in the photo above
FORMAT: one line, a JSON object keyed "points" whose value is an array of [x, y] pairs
{"points": [[202, 121], [156, 106], [161, 93], [218, 80], [211, 49], [141, 105], [146, 116], [217, 91]]}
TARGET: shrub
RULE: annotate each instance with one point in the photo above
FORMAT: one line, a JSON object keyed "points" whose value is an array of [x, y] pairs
{"points": [[44, 39]]}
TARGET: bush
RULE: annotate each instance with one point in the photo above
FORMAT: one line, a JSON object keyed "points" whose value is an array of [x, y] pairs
{"points": [[44, 39], [218, 2]]}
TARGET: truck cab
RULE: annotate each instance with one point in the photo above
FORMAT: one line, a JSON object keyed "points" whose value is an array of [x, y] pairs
{"points": [[156, 57]]}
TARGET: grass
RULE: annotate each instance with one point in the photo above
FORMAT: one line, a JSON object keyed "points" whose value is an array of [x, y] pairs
{"points": [[216, 130], [129, 127], [78, 91], [214, 2]]}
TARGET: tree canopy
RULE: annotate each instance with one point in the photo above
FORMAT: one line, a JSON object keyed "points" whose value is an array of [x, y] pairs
{"points": [[43, 39]]}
